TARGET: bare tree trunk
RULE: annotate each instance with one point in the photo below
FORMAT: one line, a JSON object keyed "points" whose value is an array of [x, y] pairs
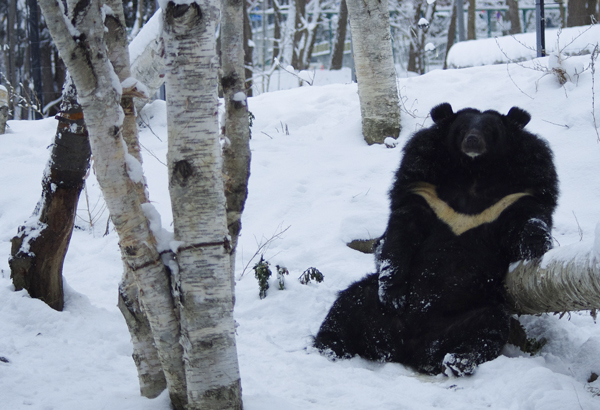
{"points": [[12, 55], [300, 32], [451, 34], [3, 108], [277, 17], [84, 52], [514, 16], [471, 35], [196, 187], [248, 51], [337, 54], [236, 153], [579, 12], [377, 89], [311, 35], [554, 285], [39, 249], [145, 355]]}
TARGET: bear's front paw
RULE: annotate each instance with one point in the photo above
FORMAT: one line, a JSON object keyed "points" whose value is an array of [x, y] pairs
{"points": [[458, 364], [535, 239]]}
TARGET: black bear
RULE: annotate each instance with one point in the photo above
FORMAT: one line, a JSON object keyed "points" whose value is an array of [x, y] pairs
{"points": [[474, 192]]}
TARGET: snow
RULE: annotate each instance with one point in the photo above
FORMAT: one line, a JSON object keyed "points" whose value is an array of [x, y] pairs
{"points": [[520, 47], [315, 185], [144, 37]]}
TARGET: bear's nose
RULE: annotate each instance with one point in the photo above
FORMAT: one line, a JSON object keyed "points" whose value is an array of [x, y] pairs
{"points": [[473, 144]]}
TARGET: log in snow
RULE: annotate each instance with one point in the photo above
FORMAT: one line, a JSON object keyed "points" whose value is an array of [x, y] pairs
{"points": [[564, 279]]}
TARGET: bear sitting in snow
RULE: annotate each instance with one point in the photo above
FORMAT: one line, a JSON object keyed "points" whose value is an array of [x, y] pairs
{"points": [[474, 192]]}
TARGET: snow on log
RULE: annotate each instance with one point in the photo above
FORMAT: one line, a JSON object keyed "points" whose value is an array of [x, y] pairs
{"points": [[564, 279]]}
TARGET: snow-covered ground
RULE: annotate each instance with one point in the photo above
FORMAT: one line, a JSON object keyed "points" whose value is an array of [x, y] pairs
{"points": [[520, 47], [315, 185]]}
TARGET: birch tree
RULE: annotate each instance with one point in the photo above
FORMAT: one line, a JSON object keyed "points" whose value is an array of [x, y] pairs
{"points": [[204, 280], [377, 89], [236, 130], [79, 39]]}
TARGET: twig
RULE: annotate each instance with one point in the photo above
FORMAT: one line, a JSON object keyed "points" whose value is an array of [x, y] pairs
{"points": [[558, 125], [263, 245]]}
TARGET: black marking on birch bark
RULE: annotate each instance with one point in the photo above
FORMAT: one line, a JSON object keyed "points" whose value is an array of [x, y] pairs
{"points": [[229, 81], [143, 265], [225, 243], [179, 18], [116, 131], [182, 171], [79, 9]]}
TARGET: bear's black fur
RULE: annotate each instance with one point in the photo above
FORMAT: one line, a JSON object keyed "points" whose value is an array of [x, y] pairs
{"points": [[474, 192]]}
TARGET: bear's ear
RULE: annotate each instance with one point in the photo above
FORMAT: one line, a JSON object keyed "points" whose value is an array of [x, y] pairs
{"points": [[519, 116], [441, 112]]}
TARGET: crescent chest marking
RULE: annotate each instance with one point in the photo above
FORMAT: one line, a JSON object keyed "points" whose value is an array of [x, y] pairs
{"points": [[459, 222]]}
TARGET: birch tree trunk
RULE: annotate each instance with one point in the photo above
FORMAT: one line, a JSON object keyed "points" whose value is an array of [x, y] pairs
{"points": [[198, 202], [145, 355], [79, 39], [375, 72], [236, 154], [554, 284]]}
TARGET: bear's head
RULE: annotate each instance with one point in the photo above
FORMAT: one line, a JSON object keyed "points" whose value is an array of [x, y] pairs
{"points": [[473, 134]]}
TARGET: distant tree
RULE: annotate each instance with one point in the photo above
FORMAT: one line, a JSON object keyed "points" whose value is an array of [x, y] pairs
{"points": [[377, 88], [451, 33], [581, 12], [514, 16], [471, 16], [339, 42]]}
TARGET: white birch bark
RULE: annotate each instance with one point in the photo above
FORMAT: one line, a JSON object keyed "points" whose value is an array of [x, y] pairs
{"points": [[145, 355], [555, 283], [236, 153], [79, 39], [147, 62], [198, 201], [375, 72]]}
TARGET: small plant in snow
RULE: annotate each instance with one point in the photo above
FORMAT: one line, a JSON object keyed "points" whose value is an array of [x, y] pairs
{"points": [[309, 275], [262, 273], [281, 272]]}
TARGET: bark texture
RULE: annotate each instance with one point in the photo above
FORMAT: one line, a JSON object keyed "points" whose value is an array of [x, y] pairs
{"points": [[236, 153], [196, 186], [151, 377], [556, 285], [377, 89], [148, 66], [39, 248], [79, 38], [337, 54]]}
